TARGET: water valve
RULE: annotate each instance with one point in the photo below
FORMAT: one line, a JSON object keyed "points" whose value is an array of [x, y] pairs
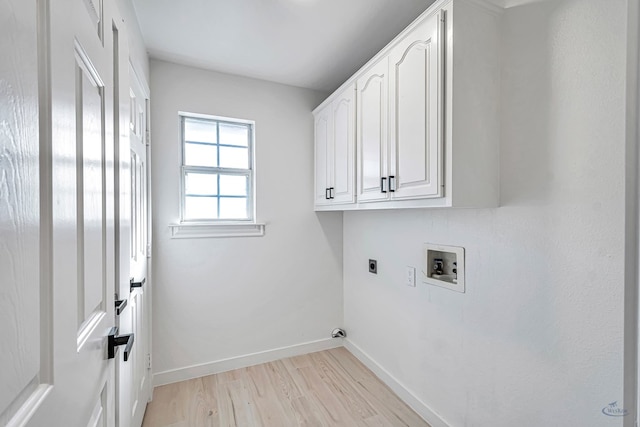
{"points": [[438, 266]]}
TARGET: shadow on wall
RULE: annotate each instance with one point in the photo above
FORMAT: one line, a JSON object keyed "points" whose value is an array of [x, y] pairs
{"points": [[331, 224], [526, 175]]}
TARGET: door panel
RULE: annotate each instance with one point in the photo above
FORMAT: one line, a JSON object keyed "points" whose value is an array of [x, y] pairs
{"points": [[99, 416], [24, 355], [322, 133], [416, 154], [343, 115], [90, 183], [372, 131]]}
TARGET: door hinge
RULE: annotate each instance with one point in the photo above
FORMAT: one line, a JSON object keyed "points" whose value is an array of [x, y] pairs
{"points": [[148, 361], [147, 138]]}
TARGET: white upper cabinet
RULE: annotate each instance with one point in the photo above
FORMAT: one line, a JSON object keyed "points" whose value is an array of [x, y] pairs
{"points": [[335, 150], [426, 119], [415, 122]]}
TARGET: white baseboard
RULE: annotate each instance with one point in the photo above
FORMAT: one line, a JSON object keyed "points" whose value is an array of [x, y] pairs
{"points": [[204, 369], [398, 388]]}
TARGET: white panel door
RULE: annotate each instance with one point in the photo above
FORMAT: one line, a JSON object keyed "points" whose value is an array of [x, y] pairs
{"points": [[25, 353], [322, 132], [342, 164], [77, 127], [372, 117], [134, 376], [415, 114]]}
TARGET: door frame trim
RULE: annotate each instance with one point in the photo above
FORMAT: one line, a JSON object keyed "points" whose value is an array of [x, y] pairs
{"points": [[631, 384]]}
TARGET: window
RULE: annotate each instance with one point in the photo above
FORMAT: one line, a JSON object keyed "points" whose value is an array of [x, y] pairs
{"points": [[217, 169]]}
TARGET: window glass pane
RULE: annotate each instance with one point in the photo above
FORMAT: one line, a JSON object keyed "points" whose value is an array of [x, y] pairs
{"points": [[201, 208], [231, 134], [232, 157], [233, 208], [209, 147], [200, 131], [200, 155], [201, 184], [233, 185]]}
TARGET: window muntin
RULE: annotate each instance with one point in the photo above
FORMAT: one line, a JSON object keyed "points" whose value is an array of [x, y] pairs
{"points": [[217, 169]]}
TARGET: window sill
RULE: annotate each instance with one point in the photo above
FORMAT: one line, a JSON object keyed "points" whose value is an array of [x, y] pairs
{"points": [[210, 230]]}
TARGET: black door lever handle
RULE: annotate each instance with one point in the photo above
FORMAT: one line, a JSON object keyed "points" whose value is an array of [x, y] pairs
{"points": [[133, 284], [115, 340], [120, 305]]}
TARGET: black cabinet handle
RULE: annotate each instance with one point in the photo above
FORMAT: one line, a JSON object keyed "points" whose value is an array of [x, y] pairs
{"points": [[120, 305], [383, 180], [331, 192], [133, 284], [392, 184], [114, 341], [327, 194]]}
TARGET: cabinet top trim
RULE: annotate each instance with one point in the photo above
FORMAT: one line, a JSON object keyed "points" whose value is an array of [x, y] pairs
{"points": [[486, 5]]}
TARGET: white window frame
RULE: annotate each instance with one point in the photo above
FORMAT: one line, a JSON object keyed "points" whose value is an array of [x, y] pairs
{"points": [[194, 228]]}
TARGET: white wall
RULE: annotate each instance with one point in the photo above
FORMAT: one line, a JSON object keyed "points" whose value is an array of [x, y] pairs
{"points": [[537, 338], [223, 298]]}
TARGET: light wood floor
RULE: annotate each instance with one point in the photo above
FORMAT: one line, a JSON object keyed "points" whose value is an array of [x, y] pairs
{"points": [[328, 388]]}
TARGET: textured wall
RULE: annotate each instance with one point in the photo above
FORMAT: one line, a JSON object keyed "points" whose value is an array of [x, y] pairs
{"points": [[223, 298], [537, 338]]}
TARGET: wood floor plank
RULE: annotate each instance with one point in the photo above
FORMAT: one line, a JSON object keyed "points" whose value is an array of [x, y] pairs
{"points": [[329, 404], [209, 384], [281, 380], [235, 406], [229, 376], [307, 413], [198, 411], [176, 403], [301, 361], [269, 408], [324, 389], [377, 421], [382, 397], [348, 396], [309, 404]]}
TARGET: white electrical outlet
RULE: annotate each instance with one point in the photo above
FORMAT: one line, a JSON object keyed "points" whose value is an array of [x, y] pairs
{"points": [[410, 279]]}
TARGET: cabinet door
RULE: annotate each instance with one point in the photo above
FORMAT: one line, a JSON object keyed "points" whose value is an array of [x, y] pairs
{"points": [[342, 162], [322, 145], [416, 113], [372, 117]]}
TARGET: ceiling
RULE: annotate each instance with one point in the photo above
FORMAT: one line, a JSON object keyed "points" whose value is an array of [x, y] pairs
{"points": [[315, 44]]}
